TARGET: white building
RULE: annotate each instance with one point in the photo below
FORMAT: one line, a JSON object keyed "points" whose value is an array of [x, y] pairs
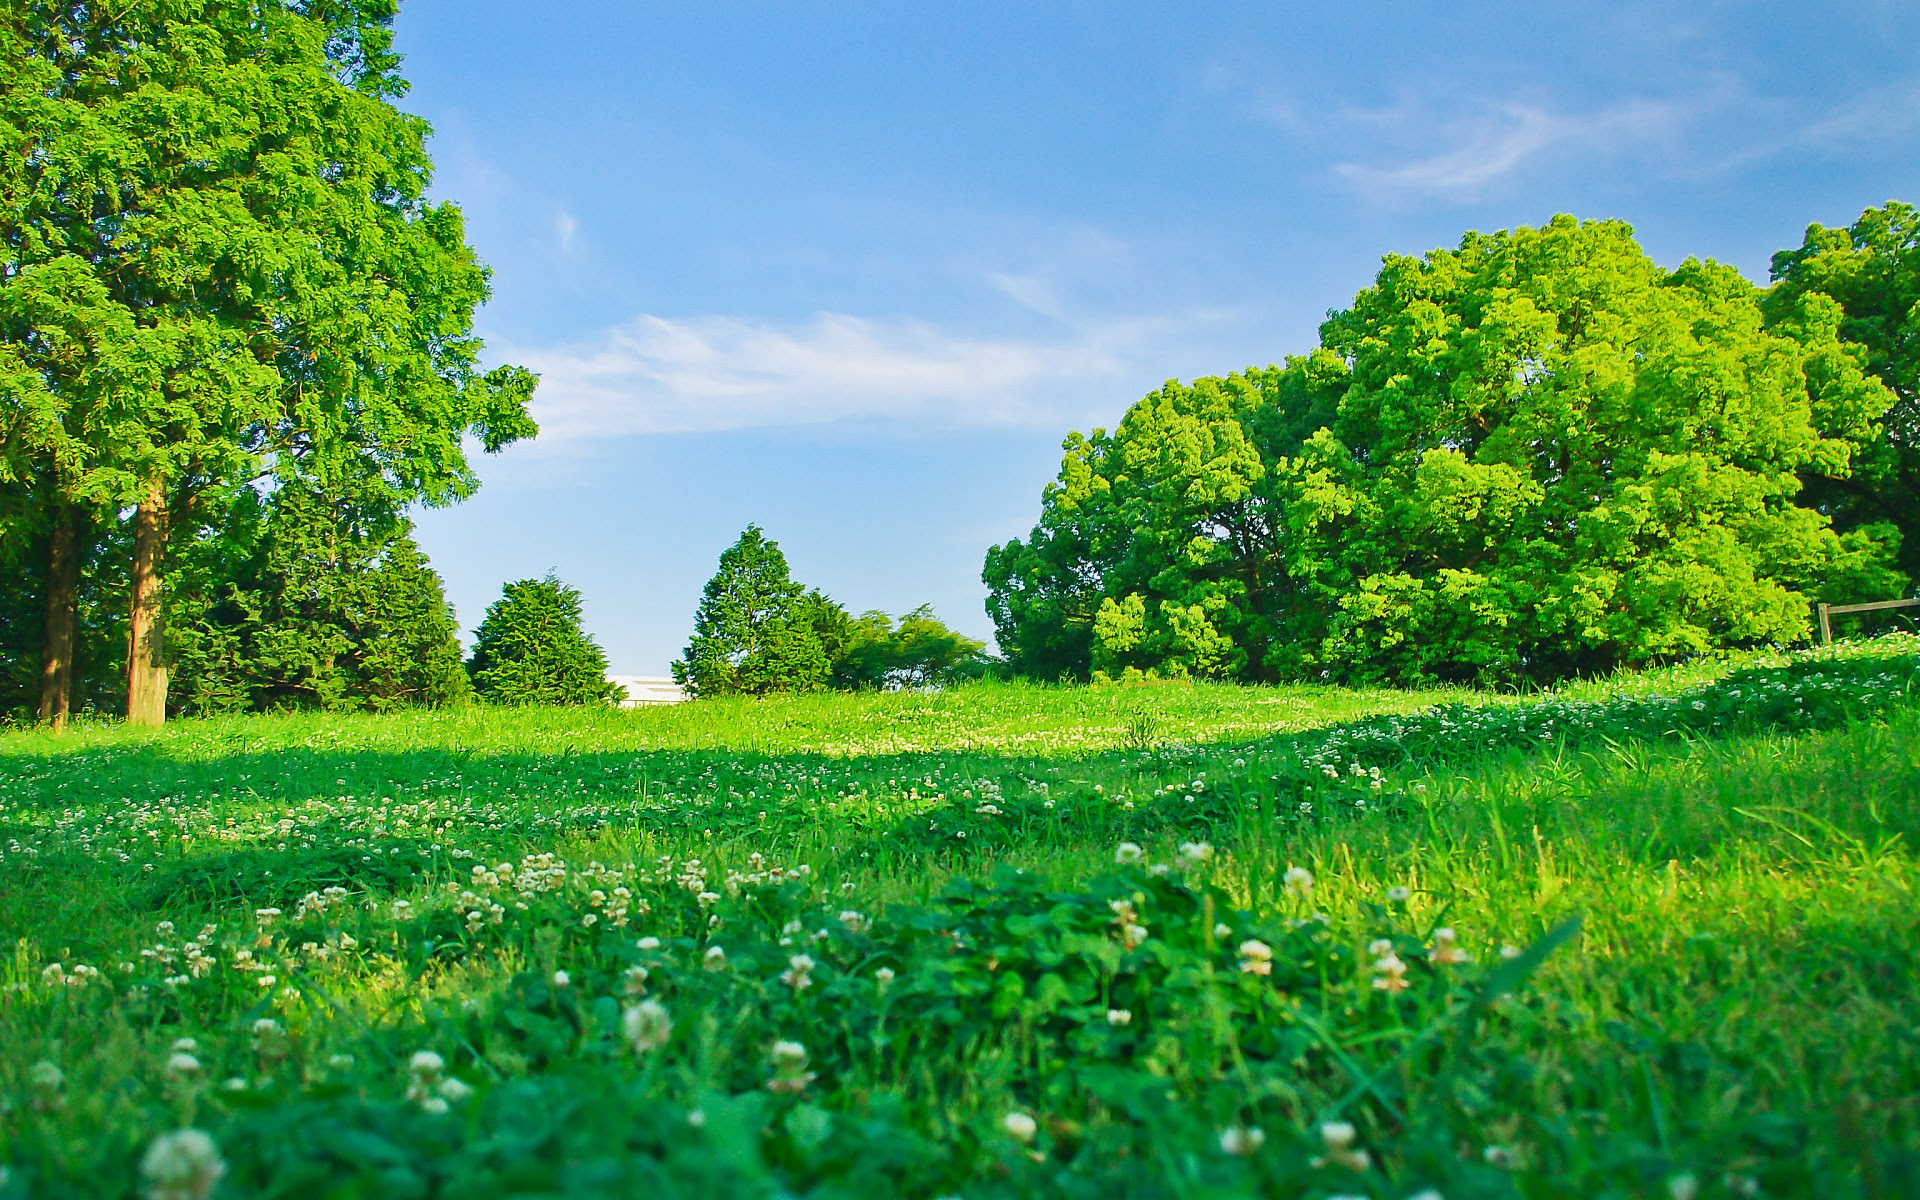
{"points": [[644, 690]]}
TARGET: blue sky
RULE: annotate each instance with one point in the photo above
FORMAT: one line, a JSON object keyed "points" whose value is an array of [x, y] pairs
{"points": [[851, 271]]}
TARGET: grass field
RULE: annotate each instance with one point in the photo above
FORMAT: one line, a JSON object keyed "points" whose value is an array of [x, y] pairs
{"points": [[1652, 936]]}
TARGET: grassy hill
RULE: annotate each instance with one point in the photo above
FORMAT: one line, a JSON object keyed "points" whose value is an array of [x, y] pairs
{"points": [[1655, 935]]}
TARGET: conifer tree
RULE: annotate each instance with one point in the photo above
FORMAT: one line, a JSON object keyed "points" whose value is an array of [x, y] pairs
{"points": [[531, 649], [756, 630], [308, 601]]}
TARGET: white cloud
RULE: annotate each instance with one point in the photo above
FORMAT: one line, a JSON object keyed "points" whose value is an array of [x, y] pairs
{"points": [[700, 374], [564, 227], [1488, 143]]}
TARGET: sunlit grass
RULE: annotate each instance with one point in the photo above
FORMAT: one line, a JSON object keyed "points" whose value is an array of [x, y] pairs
{"points": [[1734, 839]]}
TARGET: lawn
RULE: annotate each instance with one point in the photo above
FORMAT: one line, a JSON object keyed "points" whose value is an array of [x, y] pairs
{"points": [[1655, 935]]}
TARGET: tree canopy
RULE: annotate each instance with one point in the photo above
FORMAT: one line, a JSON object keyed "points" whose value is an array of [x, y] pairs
{"points": [[1871, 270], [918, 650], [1533, 454], [218, 264]]}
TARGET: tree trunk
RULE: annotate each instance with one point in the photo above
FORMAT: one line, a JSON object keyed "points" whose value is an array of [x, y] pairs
{"points": [[63, 596], [146, 667]]}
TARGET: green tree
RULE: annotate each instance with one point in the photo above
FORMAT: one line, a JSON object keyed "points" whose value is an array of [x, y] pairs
{"points": [[217, 207], [1533, 454], [756, 631], [531, 649], [920, 650], [302, 601], [1871, 269]]}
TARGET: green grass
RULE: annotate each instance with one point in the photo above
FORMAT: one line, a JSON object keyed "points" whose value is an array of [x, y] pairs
{"points": [[1688, 898]]}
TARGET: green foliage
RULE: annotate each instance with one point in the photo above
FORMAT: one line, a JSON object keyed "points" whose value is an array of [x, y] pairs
{"points": [[223, 263], [1534, 455], [1871, 272], [531, 649], [920, 650], [304, 602], [957, 940], [756, 631]]}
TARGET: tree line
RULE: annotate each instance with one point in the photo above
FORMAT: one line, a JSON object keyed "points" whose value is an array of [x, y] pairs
{"points": [[757, 631], [1532, 455]]}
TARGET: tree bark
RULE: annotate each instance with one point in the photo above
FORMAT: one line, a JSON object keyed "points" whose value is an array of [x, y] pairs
{"points": [[146, 665], [63, 596]]}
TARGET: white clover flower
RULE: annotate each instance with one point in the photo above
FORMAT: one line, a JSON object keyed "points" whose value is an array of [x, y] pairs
{"points": [[1399, 895], [454, 1090], [799, 972], [714, 959], [636, 980], [1256, 957], [1390, 974], [181, 1065], [1380, 946], [648, 943], [182, 1165], [426, 1064], [646, 1025], [1242, 1140], [1445, 951], [1195, 853], [1298, 881], [185, 1045], [1119, 1016], [1019, 1126], [790, 1072], [1337, 1137], [788, 1054], [1128, 852], [1684, 1186], [562, 979], [883, 976]]}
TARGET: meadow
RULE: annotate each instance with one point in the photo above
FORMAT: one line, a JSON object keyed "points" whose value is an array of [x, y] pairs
{"points": [[1655, 935]]}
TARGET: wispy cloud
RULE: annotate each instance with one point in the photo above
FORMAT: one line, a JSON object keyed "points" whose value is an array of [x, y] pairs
{"points": [[659, 374], [1487, 143], [565, 226], [1879, 114]]}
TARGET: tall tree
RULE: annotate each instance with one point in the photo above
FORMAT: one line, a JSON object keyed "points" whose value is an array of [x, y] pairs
{"points": [[756, 631], [230, 180], [1871, 269]]}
